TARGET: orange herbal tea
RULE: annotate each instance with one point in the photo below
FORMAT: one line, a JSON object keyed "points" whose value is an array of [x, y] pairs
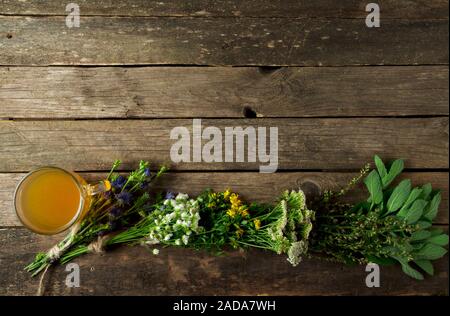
{"points": [[49, 200]]}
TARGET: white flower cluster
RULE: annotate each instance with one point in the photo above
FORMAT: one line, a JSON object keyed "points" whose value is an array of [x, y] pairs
{"points": [[175, 221]]}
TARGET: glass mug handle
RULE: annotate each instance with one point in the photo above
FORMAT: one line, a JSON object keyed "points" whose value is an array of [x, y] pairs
{"points": [[49, 200]]}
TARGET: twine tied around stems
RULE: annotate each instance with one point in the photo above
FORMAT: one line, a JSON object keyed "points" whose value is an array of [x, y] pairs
{"points": [[98, 245], [55, 253]]}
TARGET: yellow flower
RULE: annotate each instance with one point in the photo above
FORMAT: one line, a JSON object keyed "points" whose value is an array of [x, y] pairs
{"points": [[239, 232], [231, 212], [234, 199], [213, 196], [226, 194], [107, 185], [243, 211], [211, 205], [257, 223]]}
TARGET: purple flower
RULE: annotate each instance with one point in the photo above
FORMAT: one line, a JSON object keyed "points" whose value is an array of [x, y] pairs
{"points": [[119, 182], [170, 195], [124, 198], [144, 185], [115, 212], [147, 172]]}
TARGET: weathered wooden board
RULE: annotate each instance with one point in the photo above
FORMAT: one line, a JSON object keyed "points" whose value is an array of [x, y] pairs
{"points": [[171, 92], [221, 41], [302, 143], [188, 272], [253, 187], [254, 8]]}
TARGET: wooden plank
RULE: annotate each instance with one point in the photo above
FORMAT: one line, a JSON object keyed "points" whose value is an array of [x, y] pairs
{"points": [[302, 143], [221, 41], [255, 8], [171, 92], [253, 187], [188, 272]]}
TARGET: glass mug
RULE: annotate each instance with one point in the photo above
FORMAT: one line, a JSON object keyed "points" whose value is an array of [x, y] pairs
{"points": [[49, 200]]}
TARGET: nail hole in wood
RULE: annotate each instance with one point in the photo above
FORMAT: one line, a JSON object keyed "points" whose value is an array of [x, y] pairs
{"points": [[310, 188], [268, 69], [9, 35], [249, 112]]}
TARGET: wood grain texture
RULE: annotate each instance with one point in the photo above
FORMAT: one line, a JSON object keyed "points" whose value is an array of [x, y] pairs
{"points": [[221, 41], [188, 272], [302, 143], [253, 187], [254, 8], [171, 92]]}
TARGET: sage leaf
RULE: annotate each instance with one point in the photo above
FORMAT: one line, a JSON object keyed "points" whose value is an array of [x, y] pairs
{"points": [[407, 269], [415, 193], [399, 196], [420, 235], [440, 240], [380, 166], [415, 211], [436, 231], [425, 265], [395, 169], [433, 207], [423, 224], [426, 190], [381, 261], [431, 252], [373, 184]]}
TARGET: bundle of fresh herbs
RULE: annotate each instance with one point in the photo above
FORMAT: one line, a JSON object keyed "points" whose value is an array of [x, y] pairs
{"points": [[216, 220], [393, 225], [111, 210]]}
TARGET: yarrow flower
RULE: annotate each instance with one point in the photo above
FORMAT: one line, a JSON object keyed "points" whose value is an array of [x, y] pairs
{"points": [[295, 252]]}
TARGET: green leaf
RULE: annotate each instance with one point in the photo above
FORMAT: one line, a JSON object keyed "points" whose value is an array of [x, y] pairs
{"points": [[440, 240], [380, 166], [395, 169], [425, 265], [426, 190], [411, 198], [435, 231], [373, 184], [415, 211], [433, 207], [420, 235], [399, 196], [431, 252], [423, 224], [408, 270], [381, 261]]}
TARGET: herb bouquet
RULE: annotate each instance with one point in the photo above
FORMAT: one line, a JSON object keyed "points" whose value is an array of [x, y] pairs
{"points": [[113, 209], [394, 224], [214, 221]]}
